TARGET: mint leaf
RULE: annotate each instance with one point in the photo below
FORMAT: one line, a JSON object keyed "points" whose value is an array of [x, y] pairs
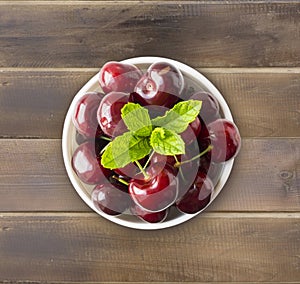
{"points": [[180, 116], [124, 149], [137, 119], [166, 142]]}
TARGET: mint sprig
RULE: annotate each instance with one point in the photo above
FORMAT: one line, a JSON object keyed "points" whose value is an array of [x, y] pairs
{"points": [[137, 119], [166, 142], [180, 116], [160, 134], [124, 149]]}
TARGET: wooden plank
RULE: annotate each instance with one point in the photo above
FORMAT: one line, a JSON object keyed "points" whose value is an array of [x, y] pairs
{"points": [[213, 248], [264, 103], [79, 34], [265, 177]]}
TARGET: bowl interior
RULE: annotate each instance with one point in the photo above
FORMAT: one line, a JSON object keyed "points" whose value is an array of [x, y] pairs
{"points": [[69, 145]]}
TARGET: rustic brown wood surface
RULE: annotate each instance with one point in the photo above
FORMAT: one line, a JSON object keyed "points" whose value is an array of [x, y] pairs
{"points": [[264, 102], [79, 34], [250, 50], [271, 183], [215, 247]]}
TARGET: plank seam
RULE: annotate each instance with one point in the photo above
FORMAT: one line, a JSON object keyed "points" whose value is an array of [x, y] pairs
{"points": [[224, 215], [129, 2], [248, 70]]}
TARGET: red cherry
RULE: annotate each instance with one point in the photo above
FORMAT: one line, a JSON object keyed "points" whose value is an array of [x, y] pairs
{"points": [[130, 170], [187, 171], [119, 77], [210, 106], [190, 134], [112, 199], [161, 85], [203, 138], [150, 217], [198, 196], [85, 116], [87, 165], [162, 160], [158, 191], [155, 110], [225, 139], [109, 113]]}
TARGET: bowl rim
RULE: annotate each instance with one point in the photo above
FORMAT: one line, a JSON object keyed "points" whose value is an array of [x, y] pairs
{"points": [[139, 224]]}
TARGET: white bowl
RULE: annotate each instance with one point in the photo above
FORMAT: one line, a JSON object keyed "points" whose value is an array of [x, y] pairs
{"points": [[69, 145]]}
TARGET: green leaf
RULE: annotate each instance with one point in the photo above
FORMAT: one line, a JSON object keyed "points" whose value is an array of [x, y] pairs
{"points": [[137, 119], [180, 116], [124, 149], [166, 142]]}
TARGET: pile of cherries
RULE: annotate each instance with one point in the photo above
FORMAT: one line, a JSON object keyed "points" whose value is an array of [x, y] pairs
{"points": [[184, 181]]}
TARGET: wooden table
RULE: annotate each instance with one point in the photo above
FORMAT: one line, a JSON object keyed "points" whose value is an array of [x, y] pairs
{"points": [[249, 50]]}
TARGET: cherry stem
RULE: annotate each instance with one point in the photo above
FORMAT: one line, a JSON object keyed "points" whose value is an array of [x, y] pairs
{"points": [[105, 138], [120, 180], [104, 148], [141, 169], [149, 159], [180, 169], [178, 164]]}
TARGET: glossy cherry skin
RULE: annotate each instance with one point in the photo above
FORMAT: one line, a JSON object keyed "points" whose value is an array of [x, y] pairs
{"points": [[150, 217], [225, 139], [210, 106], [162, 85], [109, 113], [87, 165], [130, 170], [158, 191], [191, 133], [203, 138], [119, 77], [85, 115], [187, 171], [112, 199], [162, 160], [198, 196]]}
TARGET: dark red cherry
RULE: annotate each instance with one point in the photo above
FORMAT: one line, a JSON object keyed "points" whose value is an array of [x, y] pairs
{"points": [[99, 146], [205, 163], [161, 85], [190, 134], [162, 159], [203, 137], [225, 139], [158, 191], [187, 171], [109, 113], [119, 77], [111, 198], [85, 115], [130, 170], [87, 165], [210, 106], [150, 217], [155, 110], [198, 196]]}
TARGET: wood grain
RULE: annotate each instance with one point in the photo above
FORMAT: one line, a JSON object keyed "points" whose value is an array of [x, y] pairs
{"points": [[265, 177], [264, 102], [214, 34], [212, 248]]}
